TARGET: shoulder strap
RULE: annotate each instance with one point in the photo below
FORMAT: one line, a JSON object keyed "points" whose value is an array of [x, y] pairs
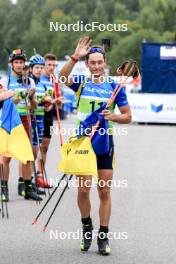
{"points": [[79, 92], [45, 87]]}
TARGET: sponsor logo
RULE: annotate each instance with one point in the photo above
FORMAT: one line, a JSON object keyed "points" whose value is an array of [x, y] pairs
{"points": [[156, 108], [82, 152], [138, 107], [68, 151]]}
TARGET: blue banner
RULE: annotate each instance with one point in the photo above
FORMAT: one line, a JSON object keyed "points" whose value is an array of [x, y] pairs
{"points": [[158, 68]]}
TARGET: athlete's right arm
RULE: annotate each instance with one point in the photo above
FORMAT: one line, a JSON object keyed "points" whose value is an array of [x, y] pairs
{"points": [[81, 50], [4, 83], [6, 94]]}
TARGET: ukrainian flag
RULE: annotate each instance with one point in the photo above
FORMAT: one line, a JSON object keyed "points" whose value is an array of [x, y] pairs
{"points": [[14, 141], [100, 141]]}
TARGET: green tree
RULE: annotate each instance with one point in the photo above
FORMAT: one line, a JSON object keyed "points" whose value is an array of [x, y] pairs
{"points": [[100, 14]]}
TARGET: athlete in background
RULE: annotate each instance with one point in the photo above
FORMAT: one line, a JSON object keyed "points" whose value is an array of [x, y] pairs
{"points": [[18, 83], [47, 80]]}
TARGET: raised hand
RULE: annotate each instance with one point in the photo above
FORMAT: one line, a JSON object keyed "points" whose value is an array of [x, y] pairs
{"points": [[82, 48]]}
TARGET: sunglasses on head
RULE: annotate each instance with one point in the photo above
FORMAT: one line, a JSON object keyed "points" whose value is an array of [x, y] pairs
{"points": [[96, 49]]}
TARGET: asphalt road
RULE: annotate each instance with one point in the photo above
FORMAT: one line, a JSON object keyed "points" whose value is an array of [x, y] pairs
{"points": [[143, 216]]}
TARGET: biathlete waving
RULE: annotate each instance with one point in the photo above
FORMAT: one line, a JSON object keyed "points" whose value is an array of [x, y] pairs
{"points": [[91, 94]]}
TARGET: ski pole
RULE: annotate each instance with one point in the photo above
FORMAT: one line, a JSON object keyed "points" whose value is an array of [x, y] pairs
{"points": [[40, 150], [60, 197], [122, 81], [44, 206], [24, 96], [56, 95], [2, 202]]}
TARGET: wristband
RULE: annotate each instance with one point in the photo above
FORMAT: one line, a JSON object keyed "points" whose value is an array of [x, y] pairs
{"points": [[73, 59]]}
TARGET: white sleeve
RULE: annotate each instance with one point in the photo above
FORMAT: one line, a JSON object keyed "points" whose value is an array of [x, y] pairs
{"points": [[4, 82]]}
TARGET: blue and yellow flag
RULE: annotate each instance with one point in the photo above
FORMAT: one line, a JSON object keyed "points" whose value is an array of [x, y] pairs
{"points": [[14, 141], [100, 140]]}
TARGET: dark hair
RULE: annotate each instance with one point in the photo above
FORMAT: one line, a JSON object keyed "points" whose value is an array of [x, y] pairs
{"points": [[50, 56], [94, 49]]}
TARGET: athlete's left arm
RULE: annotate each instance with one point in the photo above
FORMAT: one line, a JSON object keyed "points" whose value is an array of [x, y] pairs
{"points": [[123, 118], [122, 103]]}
